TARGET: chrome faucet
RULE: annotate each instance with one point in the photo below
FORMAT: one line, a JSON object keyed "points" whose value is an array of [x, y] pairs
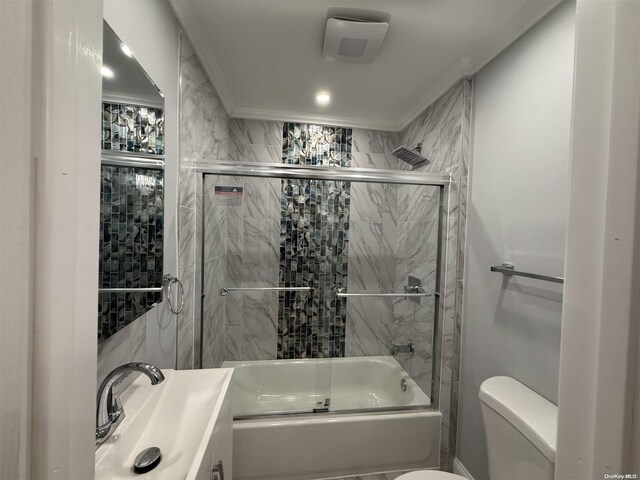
{"points": [[110, 412]]}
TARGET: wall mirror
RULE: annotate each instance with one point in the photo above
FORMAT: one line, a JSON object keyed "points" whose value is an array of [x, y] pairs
{"points": [[131, 189]]}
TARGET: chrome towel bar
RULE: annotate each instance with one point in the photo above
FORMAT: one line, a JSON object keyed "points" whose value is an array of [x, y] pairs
{"points": [[132, 290], [509, 270], [224, 291], [413, 291], [167, 282]]}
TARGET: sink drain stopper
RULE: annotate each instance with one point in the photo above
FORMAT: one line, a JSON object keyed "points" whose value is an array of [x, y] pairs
{"points": [[147, 460]]}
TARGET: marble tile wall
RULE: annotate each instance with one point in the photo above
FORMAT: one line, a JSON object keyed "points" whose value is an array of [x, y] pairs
{"points": [[204, 138], [393, 235], [373, 246], [144, 340], [443, 129], [241, 249], [252, 251], [417, 223]]}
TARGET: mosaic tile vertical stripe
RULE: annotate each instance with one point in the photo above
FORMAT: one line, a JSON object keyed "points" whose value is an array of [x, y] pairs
{"points": [[131, 243], [132, 128], [314, 243]]}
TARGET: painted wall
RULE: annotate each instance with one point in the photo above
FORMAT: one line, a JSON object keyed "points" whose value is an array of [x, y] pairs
{"points": [[518, 206], [66, 84], [150, 30], [16, 253], [599, 316]]}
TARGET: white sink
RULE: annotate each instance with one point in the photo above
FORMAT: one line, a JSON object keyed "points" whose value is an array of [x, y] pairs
{"points": [[187, 416]]}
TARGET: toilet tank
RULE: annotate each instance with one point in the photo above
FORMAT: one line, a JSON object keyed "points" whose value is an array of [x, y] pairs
{"points": [[521, 428]]}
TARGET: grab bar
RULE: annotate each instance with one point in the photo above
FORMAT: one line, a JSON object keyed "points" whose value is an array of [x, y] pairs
{"points": [[509, 270], [225, 290], [410, 291], [167, 282]]}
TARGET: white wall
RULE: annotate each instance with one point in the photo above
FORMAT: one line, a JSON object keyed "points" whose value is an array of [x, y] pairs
{"points": [[517, 212], [65, 77], [16, 248], [150, 29], [600, 311]]}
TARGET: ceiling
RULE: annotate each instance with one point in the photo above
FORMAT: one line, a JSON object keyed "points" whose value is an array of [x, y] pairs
{"points": [[265, 56]]}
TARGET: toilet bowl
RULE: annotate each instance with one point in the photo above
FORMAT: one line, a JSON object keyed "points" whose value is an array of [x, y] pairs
{"points": [[430, 475]]}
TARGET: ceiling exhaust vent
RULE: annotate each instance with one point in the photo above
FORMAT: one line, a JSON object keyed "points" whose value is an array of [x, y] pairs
{"points": [[353, 40]]}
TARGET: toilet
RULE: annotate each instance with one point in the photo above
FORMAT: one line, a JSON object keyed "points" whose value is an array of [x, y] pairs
{"points": [[520, 428]]}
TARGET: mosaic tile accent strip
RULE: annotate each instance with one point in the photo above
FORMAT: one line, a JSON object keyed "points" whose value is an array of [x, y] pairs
{"points": [[316, 145], [132, 128], [131, 243], [314, 243]]}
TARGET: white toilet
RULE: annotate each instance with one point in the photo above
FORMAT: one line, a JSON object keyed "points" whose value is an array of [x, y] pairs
{"points": [[521, 434], [521, 429]]}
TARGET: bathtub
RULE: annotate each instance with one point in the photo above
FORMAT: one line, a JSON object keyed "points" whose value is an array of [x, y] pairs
{"points": [[402, 434]]}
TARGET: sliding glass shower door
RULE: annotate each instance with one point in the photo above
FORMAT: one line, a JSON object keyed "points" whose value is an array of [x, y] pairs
{"points": [[320, 290], [262, 295]]}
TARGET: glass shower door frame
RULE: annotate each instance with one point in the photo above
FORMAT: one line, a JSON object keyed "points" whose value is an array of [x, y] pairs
{"points": [[323, 365]]}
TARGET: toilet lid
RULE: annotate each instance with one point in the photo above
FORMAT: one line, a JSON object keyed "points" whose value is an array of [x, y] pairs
{"points": [[430, 475]]}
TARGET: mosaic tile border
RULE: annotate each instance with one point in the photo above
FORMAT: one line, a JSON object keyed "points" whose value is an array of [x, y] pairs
{"points": [[132, 128]]}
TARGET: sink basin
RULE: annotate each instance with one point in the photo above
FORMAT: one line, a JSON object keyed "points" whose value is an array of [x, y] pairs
{"points": [[187, 416]]}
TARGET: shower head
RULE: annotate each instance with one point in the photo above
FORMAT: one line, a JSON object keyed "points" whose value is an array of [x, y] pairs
{"points": [[412, 157]]}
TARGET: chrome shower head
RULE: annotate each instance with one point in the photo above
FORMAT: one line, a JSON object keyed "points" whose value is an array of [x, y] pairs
{"points": [[412, 157]]}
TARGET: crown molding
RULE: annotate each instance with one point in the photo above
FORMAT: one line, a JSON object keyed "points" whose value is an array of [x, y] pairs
{"points": [[337, 120], [517, 26]]}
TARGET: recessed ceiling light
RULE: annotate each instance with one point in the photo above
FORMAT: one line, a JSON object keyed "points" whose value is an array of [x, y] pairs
{"points": [[126, 50], [106, 72], [323, 98]]}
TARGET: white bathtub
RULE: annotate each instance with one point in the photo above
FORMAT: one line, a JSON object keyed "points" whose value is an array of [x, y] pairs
{"points": [[296, 386], [313, 446]]}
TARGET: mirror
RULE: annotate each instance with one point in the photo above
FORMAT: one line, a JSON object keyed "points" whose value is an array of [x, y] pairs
{"points": [[131, 190]]}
